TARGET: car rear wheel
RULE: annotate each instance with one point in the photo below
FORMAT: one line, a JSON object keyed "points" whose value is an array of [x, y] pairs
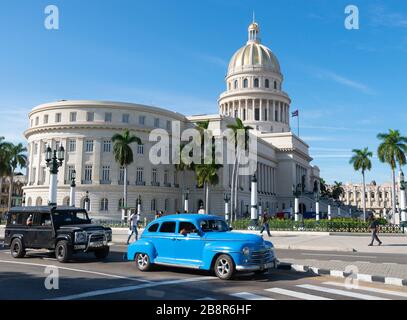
{"points": [[102, 253], [17, 249], [224, 267], [143, 262], [63, 251]]}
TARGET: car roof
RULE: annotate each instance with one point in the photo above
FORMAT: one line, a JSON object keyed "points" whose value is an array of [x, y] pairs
{"points": [[188, 217], [43, 209]]}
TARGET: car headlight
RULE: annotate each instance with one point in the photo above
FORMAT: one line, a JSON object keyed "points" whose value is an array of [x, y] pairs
{"points": [[246, 251], [81, 236], [109, 235]]}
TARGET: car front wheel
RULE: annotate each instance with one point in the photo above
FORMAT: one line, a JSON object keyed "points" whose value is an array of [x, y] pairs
{"points": [[102, 253], [143, 262], [17, 249], [63, 251], [224, 267]]}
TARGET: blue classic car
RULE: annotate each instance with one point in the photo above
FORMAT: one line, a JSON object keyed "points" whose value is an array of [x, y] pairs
{"points": [[201, 242]]}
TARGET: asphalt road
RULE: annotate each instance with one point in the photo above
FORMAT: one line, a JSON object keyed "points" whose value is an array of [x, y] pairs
{"points": [[88, 278]]}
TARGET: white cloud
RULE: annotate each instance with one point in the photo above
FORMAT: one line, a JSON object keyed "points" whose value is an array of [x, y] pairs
{"points": [[381, 17]]}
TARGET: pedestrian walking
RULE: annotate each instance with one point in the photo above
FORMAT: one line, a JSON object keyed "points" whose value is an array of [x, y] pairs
{"points": [[134, 220], [201, 210], [265, 223], [374, 229]]}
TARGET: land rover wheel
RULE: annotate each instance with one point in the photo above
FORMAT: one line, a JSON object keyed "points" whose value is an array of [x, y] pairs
{"points": [[224, 267], [143, 262], [17, 249], [102, 253], [63, 251]]}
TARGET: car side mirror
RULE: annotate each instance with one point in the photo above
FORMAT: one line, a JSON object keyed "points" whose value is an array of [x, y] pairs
{"points": [[230, 228]]}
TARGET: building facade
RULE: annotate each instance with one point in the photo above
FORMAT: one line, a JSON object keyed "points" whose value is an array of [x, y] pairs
{"points": [[16, 195], [254, 93]]}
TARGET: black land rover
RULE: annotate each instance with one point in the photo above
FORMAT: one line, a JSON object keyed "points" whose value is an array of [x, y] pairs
{"points": [[66, 230]]}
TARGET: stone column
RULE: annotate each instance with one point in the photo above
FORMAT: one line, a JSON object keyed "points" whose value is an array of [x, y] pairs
{"points": [[79, 160], [261, 110], [96, 161]]}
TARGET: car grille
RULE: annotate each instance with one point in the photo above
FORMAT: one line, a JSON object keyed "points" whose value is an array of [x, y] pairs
{"points": [[260, 256], [95, 237]]}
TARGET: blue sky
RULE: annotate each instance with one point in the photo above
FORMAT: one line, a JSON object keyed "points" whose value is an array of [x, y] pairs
{"points": [[348, 85]]}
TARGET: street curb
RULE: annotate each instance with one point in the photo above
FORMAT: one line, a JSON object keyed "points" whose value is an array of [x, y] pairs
{"points": [[342, 274]]}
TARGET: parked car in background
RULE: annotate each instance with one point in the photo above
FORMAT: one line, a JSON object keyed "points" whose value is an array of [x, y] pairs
{"points": [[65, 230], [201, 242]]}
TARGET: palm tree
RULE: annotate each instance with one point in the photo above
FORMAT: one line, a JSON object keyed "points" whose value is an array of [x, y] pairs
{"points": [[324, 188], [337, 190], [392, 150], [207, 175], [123, 155], [4, 161], [239, 125], [361, 162], [17, 158]]}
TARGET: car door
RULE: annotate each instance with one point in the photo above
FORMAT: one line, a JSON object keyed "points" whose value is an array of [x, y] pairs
{"points": [[164, 242], [28, 230], [189, 244], [44, 231]]}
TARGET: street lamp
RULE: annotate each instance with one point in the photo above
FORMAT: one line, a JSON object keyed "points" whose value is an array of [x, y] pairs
{"points": [[297, 193], [254, 204], [226, 199], [54, 160], [317, 198], [72, 190], [403, 186], [23, 200], [87, 201], [186, 201]]}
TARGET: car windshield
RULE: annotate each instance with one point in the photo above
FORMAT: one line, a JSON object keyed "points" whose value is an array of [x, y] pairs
{"points": [[214, 226], [63, 218]]}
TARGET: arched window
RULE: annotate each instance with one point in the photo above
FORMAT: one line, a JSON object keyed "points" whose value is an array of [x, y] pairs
{"points": [[267, 83], [66, 201], [236, 84], [104, 205], [167, 205], [153, 205], [256, 83], [275, 85], [245, 83], [38, 202]]}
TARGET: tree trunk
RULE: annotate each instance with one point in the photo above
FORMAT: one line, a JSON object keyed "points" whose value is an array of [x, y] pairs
{"points": [[207, 198], [236, 182], [364, 197], [1, 187], [394, 195], [10, 190], [125, 188], [232, 190]]}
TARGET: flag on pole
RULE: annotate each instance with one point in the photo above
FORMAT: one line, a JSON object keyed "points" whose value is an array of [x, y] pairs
{"points": [[296, 113]]}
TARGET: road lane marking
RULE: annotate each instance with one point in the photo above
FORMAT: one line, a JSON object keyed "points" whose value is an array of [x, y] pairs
{"points": [[338, 255], [296, 294], [75, 270], [341, 292], [249, 296], [91, 294], [371, 289]]}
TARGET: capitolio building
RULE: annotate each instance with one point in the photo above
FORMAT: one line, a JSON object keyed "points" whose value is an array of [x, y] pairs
{"points": [[254, 93]]}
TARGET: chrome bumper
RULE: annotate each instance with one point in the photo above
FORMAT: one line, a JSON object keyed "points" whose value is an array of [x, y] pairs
{"points": [[270, 265]]}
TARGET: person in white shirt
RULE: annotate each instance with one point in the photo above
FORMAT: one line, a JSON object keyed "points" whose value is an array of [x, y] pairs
{"points": [[201, 210], [134, 219]]}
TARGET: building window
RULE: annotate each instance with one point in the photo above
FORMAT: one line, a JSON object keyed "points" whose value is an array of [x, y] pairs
{"points": [[175, 179], [72, 116], [168, 125], [236, 84], [244, 114], [88, 173], [58, 117], [157, 122], [120, 204], [142, 120], [106, 173], [275, 85], [71, 145], [166, 176], [71, 169], [121, 175], [267, 83], [166, 204], [125, 118], [245, 83], [37, 121], [140, 175], [89, 146], [107, 146], [45, 119], [42, 175], [257, 114], [256, 83], [276, 115], [90, 116], [108, 117], [154, 176], [140, 149], [265, 114], [104, 205], [153, 205]]}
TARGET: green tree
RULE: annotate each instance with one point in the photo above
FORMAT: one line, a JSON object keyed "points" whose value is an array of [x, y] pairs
{"points": [[207, 175], [361, 162], [392, 150], [4, 161], [238, 126], [123, 155], [17, 158], [337, 190], [324, 188]]}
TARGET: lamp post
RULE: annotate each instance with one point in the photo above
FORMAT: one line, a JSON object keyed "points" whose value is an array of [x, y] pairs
{"points": [[87, 201], [72, 190], [54, 160], [23, 200], [297, 193], [317, 197], [254, 204], [226, 199], [329, 212], [403, 185], [186, 201], [139, 205]]}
